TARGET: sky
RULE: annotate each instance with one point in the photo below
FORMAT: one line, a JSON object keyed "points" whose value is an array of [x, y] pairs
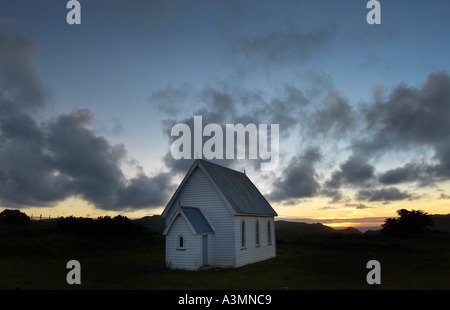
{"points": [[86, 110]]}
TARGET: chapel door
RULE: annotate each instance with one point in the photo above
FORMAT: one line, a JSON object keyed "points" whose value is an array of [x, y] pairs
{"points": [[205, 250]]}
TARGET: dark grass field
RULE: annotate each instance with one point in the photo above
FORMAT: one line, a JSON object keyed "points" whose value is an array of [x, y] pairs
{"points": [[34, 256]]}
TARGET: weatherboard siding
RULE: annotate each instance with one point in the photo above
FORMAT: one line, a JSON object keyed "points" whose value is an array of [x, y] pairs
{"points": [[199, 192], [190, 256], [252, 252]]}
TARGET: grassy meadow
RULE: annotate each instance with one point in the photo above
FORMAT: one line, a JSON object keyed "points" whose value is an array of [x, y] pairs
{"points": [[34, 256]]}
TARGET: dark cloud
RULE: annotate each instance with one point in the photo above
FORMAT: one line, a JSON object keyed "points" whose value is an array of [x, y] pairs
{"points": [[171, 100], [335, 116], [355, 171], [298, 179], [283, 47], [143, 191], [216, 100], [23, 169], [44, 163], [316, 82], [444, 196], [27, 177], [409, 117], [410, 172], [20, 88], [383, 194], [90, 161], [359, 206], [442, 154], [70, 160], [335, 194]]}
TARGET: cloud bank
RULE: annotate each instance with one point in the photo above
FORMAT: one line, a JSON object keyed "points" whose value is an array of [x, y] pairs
{"points": [[404, 122], [42, 163]]}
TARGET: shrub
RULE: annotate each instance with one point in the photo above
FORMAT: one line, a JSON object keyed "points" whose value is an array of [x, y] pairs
{"points": [[409, 222], [9, 216]]}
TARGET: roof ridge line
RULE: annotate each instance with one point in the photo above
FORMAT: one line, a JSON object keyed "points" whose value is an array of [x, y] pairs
{"points": [[221, 166]]}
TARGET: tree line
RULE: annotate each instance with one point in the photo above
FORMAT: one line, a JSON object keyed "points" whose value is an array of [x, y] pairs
{"points": [[408, 223], [101, 226]]}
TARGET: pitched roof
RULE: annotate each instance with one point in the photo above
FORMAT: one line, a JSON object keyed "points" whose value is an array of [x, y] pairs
{"points": [[240, 192], [197, 220], [235, 187]]}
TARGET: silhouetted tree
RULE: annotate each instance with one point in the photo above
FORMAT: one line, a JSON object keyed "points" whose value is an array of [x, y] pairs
{"points": [[409, 222], [9, 216], [391, 226]]}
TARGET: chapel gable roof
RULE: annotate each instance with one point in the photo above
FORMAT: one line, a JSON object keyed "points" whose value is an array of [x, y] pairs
{"points": [[234, 186]]}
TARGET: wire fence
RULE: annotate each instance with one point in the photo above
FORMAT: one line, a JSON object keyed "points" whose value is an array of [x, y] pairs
{"points": [[41, 217]]}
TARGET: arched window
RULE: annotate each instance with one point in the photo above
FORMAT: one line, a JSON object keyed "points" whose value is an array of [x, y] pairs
{"points": [[257, 233], [269, 233], [243, 235], [180, 242]]}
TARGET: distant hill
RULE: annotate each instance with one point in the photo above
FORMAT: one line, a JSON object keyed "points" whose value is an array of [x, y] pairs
{"points": [[283, 228], [349, 231], [154, 222], [290, 229]]}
